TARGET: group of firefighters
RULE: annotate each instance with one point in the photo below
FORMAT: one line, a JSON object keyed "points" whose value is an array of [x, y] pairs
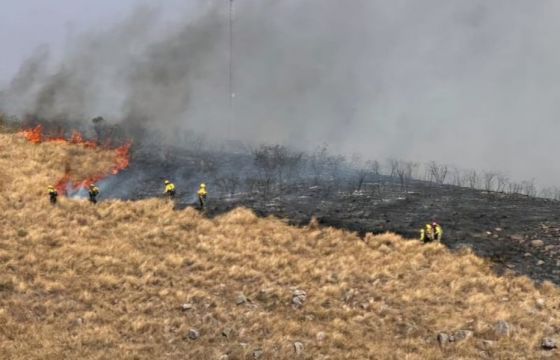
{"points": [[169, 191], [429, 233]]}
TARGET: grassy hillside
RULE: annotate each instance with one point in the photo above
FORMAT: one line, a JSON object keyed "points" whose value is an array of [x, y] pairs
{"points": [[139, 280]]}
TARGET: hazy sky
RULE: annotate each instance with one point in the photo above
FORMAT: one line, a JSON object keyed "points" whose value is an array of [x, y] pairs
{"points": [[474, 83], [27, 24]]}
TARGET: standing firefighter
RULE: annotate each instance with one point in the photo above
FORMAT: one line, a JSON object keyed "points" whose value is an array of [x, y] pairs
{"points": [[438, 231], [202, 194], [431, 232], [93, 192], [169, 189], [53, 194]]}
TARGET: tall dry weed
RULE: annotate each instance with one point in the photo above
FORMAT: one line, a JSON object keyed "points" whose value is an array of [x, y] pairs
{"points": [[109, 281]]}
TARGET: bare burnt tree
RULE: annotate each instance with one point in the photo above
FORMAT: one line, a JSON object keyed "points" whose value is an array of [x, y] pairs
{"points": [[318, 164], [334, 165], [501, 182], [458, 179], [275, 165], [515, 188], [552, 192], [472, 179], [267, 166], [405, 171], [360, 176], [489, 178], [393, 165], [293, 165], [529, 188], [360, 172], [375, 168], [437, 172], [228, 183]]}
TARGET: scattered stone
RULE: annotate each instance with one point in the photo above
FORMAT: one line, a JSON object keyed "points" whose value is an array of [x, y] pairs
{"points": [[298, 298], [540, 303], [462, 335], [540, 262], [321, 336], [186, 307], [298, 348], [241, 299], [537, 243], [227, 332], [224, 357], [349, 295], [463, 246], [527, 254], [297, 302], [548, 344], [257, 354], [488, 344], [517, 237], [498, 229], [502, 328], [193, 334], [443, 339]]}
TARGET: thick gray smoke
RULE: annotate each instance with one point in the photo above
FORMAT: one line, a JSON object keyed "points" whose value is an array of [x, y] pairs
{"points": [[471, 83]]}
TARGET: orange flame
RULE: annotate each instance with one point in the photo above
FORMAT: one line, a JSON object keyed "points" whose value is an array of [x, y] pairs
{"points": [[34, 135], [121, 162]]}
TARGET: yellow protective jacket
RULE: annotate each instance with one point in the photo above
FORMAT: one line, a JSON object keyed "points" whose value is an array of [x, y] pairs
{"points": [[427, 233], [169, 188], [438, 233], [202, 192], [94, 190], [52, 191]]}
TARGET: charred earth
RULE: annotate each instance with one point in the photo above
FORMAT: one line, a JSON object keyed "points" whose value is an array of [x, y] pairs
{"points": [[517, 233]]}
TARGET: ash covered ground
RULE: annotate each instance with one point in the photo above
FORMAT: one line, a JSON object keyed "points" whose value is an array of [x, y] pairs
{"points": [[516, 233]]}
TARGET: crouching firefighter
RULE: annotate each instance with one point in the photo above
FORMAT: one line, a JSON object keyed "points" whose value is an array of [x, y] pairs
{"points": [[53, 194], [202, 194], [93, 191], [431, 232], [169, 189]]}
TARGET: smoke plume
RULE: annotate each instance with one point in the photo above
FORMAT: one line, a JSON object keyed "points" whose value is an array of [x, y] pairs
{"points": [[467, 83]]}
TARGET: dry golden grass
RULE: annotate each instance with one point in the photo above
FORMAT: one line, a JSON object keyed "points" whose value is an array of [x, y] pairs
{"points": [[108, 281]]}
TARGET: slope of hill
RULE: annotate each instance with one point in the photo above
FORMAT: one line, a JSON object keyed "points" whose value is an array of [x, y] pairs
{"points": [[140, 280]]}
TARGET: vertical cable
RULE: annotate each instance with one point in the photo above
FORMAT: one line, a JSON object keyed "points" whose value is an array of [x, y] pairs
{"points": [[230, 82]]}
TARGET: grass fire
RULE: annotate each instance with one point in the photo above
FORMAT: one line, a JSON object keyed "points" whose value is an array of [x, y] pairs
{"points": [[295, 179], [140, 279]]}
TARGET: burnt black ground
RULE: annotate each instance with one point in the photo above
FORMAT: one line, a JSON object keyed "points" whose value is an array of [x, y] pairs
{"points": [[499, 227]]}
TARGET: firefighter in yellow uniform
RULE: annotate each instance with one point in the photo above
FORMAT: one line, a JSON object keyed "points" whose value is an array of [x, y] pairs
{"points": [[169, 189], [426, 233], [93, 192], [431, 232], [438, 231], [53, 194], [202, 194]]}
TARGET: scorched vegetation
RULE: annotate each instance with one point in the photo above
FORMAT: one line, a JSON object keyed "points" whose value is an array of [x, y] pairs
{"points": [[140, 280]]}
